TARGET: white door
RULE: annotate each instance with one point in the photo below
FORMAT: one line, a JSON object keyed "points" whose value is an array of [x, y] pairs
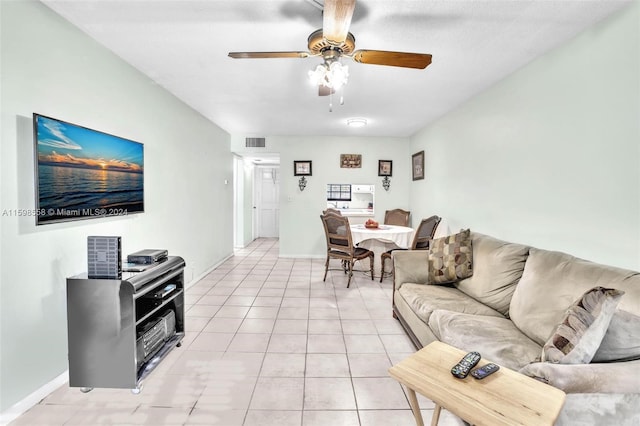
{"points": [[267, 201]]}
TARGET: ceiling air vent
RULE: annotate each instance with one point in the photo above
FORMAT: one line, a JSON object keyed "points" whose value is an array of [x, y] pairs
{"points": [[255, 142]]}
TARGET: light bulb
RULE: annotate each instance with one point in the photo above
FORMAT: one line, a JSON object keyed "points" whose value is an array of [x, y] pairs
{"points": [[317, 76], [332, 76], [339, 74]]}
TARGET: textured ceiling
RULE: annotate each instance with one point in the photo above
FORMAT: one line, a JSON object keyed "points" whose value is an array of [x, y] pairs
{"points": [[183, 44]]}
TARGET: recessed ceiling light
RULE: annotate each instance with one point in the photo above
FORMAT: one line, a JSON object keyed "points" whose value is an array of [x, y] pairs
{"points": [[356, 122]]}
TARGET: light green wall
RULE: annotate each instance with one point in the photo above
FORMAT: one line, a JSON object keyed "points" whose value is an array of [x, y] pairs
{"points": [[550, 156], [51, 67], [301, 232]]}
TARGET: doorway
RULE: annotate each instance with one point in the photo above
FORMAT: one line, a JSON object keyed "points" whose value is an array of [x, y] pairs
{"points": [[267, 201]]}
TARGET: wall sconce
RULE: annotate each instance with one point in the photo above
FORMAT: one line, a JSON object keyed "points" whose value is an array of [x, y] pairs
{"points": [[385, 168], [386, 183], [302, 183], [302, 168]]}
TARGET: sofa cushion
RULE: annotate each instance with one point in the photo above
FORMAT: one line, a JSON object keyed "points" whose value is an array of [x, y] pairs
{"points": [[622, 340], [416, 325], [600, 409], [410, 266], [552, 281], [496, 338], [424, 299], [450, 258], [497, 268], [587, 378], [578, 336]]}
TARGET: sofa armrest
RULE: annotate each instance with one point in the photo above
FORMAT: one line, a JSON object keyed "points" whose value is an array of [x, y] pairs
{"points": [[614, 377], [410, 266]]}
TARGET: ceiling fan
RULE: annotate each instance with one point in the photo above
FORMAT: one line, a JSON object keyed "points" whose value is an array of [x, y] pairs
{"points": [[334, 41]]}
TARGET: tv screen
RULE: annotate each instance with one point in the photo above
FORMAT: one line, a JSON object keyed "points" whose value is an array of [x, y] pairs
{"points": [[83, 173]]}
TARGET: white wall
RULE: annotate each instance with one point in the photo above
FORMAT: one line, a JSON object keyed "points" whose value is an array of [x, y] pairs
{"points": [[550, 156], [249, 211], [243, 192], [301, 232], [50, 67]]}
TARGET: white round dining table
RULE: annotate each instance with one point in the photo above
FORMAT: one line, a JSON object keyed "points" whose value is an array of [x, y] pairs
{"points": [[400, 236], [381, 239]]}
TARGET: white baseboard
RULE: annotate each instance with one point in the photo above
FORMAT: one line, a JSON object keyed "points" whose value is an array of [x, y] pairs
{"points": [[302, 256], [24, 405], [205, 273]]}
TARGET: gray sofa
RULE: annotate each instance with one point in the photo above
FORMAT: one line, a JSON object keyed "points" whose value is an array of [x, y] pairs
{"points": [[510, 307]]}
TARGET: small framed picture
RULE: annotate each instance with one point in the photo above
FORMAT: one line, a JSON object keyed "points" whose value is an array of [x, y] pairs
{"points": [[385, 167], [350, 161], [302, 168], [417, 165]]}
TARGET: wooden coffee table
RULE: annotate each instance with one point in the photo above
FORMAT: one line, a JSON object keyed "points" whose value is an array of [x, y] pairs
{"points": [[504, 398]]}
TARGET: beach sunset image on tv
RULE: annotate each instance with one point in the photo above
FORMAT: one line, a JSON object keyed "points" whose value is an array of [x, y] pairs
{"points": [[83, 173]]}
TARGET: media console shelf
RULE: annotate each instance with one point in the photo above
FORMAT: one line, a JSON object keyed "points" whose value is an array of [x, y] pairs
{"points": [[107, 317]]}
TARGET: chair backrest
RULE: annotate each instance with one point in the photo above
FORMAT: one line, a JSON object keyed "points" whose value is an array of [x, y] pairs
{"points": [[337, 231], [332, 210], [425, 233], [396, 217]]}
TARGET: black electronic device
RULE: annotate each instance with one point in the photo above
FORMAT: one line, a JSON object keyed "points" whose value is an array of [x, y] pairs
{"points": [[104, 257], [153, 336], [462, 369], [484, 371], [157, 297], [163, 292], [147, 256]]}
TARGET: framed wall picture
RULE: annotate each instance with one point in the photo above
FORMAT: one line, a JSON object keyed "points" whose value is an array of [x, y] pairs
{"points": [[302, 168], [350, 161], [385, 167], [417, 165]]}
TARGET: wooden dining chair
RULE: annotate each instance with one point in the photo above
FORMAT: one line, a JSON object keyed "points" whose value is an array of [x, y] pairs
{"points": [[424, 234], [340, 245], [332, 210], [397, 217]]}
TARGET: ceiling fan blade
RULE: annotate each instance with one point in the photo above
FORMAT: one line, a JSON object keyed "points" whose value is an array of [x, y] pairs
{"points": [[393, 59], [336, 20], [261, 55], [325, 91]]}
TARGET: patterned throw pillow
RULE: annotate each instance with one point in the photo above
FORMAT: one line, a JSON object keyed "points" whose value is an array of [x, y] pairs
{"points": [[450, 258], [578, 336]]}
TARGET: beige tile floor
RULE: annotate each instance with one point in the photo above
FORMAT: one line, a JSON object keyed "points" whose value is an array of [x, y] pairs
{"points": [[268, 343]]}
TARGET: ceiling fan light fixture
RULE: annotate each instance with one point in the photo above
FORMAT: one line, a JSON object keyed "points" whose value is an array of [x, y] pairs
{"points": [[356, 122], [333, 75], [334, 41]]}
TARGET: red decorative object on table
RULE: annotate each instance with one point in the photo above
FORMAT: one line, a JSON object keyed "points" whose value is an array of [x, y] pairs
{"points": [[371, 224]]}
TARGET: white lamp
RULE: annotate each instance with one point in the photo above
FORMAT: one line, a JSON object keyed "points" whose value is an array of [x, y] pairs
{"points": [[356, 122]]}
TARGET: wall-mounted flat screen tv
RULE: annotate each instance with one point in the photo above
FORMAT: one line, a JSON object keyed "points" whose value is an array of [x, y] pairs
{"points": [[83, 173]]}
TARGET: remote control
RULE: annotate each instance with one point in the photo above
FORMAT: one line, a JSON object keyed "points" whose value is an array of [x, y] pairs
{"points": [[462, 369], [482, 372]]}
